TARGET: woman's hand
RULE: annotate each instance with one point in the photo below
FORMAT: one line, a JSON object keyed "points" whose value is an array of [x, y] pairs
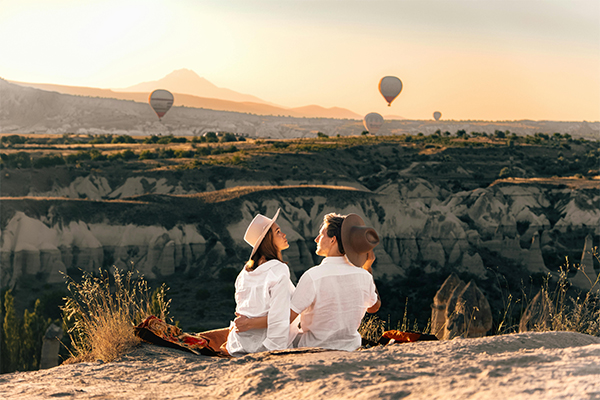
{"points": [[369, 263], [244, 324]]}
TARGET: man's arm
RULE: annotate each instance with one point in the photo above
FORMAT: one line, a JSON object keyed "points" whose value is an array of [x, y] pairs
{"points": [[368, 266], [375, 307], [243, 323]]}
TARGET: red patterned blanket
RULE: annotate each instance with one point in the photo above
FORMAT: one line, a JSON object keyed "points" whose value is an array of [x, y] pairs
{"points": [[156, 331]]}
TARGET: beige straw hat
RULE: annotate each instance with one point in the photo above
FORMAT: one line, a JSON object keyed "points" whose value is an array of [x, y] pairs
{"points": [[357, 239], [257, 230]]}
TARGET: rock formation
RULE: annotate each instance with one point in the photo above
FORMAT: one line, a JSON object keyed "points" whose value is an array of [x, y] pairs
{"points": [[440, 303], [51, 346], [419, 223], [586, 277], [468, 313]]}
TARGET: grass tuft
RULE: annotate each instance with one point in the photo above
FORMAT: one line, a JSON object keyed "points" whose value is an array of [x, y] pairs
{"points": [[101, 312]]}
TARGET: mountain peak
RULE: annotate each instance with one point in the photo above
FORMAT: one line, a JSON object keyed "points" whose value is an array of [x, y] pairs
{"points": [[186, 75], [185, 81]]}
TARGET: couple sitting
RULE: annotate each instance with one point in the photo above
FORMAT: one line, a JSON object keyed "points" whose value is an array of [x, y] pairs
{"points": [[328, 303]]}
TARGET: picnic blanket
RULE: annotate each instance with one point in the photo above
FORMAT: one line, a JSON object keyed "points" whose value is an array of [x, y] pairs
{"points": [[156, 331], [395, 336]]}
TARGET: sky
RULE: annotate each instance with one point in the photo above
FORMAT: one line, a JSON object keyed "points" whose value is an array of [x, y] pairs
{"points": [[468, 59]]}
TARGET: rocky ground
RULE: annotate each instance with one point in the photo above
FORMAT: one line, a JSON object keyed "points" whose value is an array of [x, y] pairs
{"points": [[550, 365]]}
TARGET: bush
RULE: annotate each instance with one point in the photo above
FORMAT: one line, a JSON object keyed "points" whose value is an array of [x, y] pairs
{"points": [[147, 155], [48, 161], [228, 137], [211, 137], [100, 314], [122, 139], [13, 139], [505, 172], [17, 160]]}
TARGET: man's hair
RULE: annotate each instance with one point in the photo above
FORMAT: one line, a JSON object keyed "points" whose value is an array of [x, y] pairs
{"points": [[333, 222], [266, 249]]}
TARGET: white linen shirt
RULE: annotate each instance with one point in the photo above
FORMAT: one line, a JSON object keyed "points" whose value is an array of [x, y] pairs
{"points": [[264, 291], [332, 299]]}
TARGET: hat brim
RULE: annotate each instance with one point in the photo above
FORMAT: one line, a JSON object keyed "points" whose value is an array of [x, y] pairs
{"points": [[350, 222], [263, 234]]}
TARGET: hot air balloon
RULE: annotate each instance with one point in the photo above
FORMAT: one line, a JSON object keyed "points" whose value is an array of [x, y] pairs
{"points": [[390, 87], [161, 101], [372, 122], [437, 115]]}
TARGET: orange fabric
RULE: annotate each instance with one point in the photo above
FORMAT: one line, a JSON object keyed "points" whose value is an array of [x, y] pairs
{"points": [[172, 334], [401, 337]]}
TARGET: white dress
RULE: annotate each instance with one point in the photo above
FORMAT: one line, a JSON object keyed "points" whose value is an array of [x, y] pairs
{"points": [[264, 291]]}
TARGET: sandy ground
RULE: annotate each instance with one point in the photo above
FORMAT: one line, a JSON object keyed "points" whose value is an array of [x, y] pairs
{"points": [[550, 365]]}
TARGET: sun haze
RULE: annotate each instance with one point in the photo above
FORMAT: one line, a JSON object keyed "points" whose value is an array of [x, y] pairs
{"points": [[477, 60]]}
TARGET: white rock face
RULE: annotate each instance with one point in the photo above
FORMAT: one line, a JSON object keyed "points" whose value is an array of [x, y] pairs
{"points": [[29, 247], [419, 225]]}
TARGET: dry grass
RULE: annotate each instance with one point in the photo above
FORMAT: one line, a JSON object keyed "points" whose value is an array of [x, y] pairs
{"points": [[566, 309], [580, 313], [101, 312]]}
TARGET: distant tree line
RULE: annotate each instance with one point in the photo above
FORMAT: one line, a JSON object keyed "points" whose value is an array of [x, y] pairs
{"points": [[70, 138]]}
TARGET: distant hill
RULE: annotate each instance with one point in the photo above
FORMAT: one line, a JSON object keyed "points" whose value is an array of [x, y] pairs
{"points": [[220, 101], [44, 108]]}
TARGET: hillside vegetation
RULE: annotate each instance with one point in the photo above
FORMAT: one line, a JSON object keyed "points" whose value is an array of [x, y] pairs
{"points": [[215, 182]]}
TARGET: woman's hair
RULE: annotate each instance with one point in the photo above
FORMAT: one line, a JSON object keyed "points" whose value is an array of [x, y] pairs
{"points": [[266, 249], [333, 222]]}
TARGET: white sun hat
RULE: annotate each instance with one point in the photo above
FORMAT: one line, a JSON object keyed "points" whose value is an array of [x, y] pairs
{"points": [[257, 230]]}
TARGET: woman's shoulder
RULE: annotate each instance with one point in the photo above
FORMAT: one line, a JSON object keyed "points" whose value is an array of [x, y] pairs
{"points": [[277, 267]]}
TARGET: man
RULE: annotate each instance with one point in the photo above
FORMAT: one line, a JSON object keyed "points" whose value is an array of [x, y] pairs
{"points": [[333, 296]]}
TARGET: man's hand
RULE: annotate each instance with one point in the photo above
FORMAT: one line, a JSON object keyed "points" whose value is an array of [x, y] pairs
{"points": [[369, 263], [243, 323]]}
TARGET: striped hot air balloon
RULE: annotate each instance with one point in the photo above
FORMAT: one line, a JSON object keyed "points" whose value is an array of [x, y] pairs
{"points": [[161, 101], [390, 87]]}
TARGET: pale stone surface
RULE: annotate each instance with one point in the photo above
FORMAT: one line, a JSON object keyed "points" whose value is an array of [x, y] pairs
{"points": [[468, 314], [51, 346], [586, 277], [440, 303]]}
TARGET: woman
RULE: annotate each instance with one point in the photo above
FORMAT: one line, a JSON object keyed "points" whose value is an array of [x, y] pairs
{"points": [[262, 289]]}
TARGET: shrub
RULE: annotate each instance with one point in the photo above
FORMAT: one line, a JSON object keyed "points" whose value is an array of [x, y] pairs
{"points": [[147, 155], [228, 137], [505, 172], [122, 139], [100, 314], [210, 137], [48, 161], [128, 155], [17, 160]]}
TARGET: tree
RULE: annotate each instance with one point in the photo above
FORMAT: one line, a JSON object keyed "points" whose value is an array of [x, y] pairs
{"points": [[34, 328], [12, 333], [322, 135]]}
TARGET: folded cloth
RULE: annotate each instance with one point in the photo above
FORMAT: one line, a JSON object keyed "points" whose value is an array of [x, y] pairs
{"points": [[395, 336], [156, 331]]}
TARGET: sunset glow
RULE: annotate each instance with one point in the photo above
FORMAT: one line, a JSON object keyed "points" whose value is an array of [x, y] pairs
{"points": [[478, 60]]}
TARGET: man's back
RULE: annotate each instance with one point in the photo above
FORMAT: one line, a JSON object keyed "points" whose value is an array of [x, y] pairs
{"points": [[332, 299]]}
